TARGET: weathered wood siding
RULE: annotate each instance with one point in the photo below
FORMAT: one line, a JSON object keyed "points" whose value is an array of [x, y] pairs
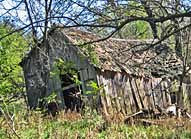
{"points": [[127, 94], [40, 62], [62, 48], [36, 69], [121, 92]]}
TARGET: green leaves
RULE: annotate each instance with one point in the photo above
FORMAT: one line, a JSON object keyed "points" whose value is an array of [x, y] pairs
{"points": [[95, 88], [51, 98], [62, 67], [89, 51], [137, 30], [12, 49]]}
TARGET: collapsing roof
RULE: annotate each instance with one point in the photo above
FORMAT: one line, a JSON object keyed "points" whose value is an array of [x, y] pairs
{"points": [[114, 57], [137, 57]]}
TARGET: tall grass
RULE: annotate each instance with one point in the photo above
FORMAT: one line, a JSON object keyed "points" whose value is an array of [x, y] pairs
{"points": [[89, 125]]}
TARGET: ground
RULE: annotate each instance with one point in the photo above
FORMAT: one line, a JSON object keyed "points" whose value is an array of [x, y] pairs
{"points": [[87, 125]]}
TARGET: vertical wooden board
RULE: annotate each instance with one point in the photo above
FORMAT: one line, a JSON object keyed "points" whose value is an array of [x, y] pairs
{"points": [[166, 94], [185, 95], [189, 96], [111, 92], [138, 90], [83, 81], [114, 88], [154, 93], [113, 96], [152, 83], [167, 98], [162, 94], [122, 102], [102, 94], [122, 95], [106, 88], [107, 93], [146, 100], [127, 101], [117, 101], [149, 98], [84, 74], [136, 93], [157, 93], [110, 96], [143, 93], [117, 92], [91, 72], [162, 91], [130, 96], [121, 79]]}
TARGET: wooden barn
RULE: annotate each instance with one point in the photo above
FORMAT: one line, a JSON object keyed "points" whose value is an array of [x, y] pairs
{"points": [[130, 74]]}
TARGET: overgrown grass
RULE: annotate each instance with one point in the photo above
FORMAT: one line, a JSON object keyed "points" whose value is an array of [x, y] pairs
{"points": [[90, 125]]}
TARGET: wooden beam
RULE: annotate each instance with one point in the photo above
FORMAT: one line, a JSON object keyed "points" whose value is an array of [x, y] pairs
{"points": [[69, 87]]}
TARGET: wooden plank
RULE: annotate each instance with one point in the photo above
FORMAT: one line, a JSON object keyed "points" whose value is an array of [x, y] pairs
{"points": [[149, 99], [130, 101], [142, 92], [167, 99], [138, 92], [145, 84], [123, 104], [109, 96], [157, 99], [69, 87], [82, 80], [152, 93], [102, 94], [134, 96], [113, 96], [91, 73], [117, 92], [121, 101]]}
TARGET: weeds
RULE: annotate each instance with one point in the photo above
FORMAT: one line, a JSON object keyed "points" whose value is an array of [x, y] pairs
{"points": [[89, 125]]}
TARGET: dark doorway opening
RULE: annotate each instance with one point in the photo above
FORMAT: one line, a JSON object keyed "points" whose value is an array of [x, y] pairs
{"points": [[71, 90]]}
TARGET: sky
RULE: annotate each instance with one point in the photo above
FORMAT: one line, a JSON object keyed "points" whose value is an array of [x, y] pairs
{"points": [[8, 4]]}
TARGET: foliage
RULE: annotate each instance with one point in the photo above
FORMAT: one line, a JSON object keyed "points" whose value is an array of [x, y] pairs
{"points": [[31, 124], [50, 98], [62, 67], [12, 49], [94, 88], [89, 51], [133, 30], [137, 30], [65, 67]]}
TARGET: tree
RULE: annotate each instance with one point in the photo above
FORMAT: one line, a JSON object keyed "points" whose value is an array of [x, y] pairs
{"points": [[12, 50]]}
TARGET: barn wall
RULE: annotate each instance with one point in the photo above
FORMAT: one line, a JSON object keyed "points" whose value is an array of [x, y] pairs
{"points": [[36, 69], [126, 94], [60, 47], [121, 92], [186, 90], [40, 62]]}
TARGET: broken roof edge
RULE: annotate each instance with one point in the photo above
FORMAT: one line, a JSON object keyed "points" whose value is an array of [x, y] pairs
{"points": [[74, 34], [73, 43], [114, 66], [120, 67]]}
